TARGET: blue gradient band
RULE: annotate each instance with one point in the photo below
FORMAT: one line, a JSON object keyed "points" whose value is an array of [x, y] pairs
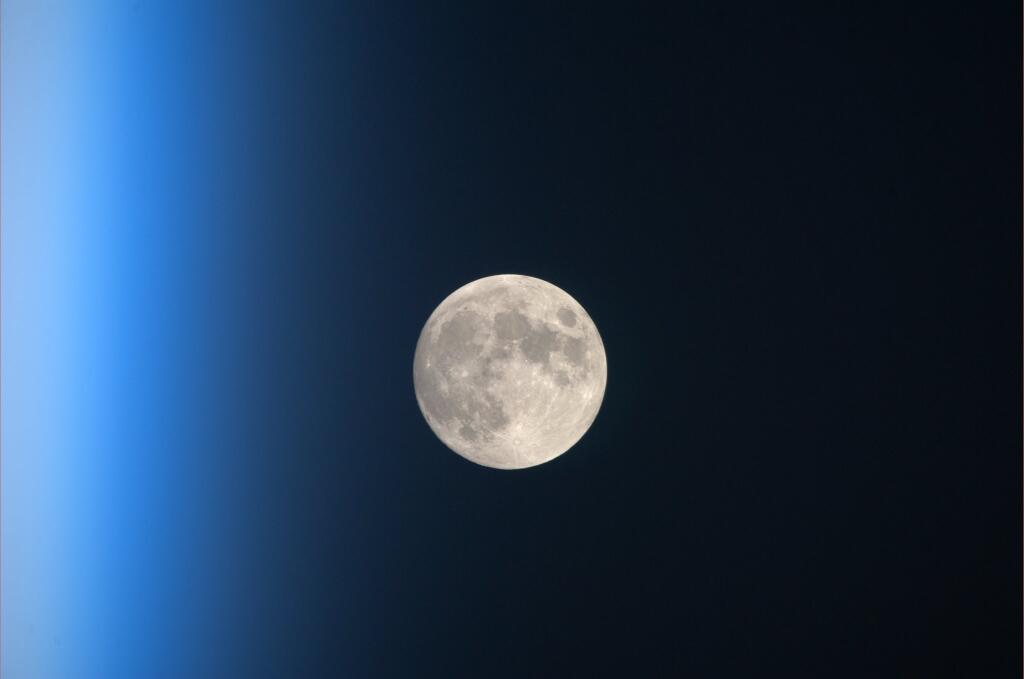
{"points": [[126, 205]]}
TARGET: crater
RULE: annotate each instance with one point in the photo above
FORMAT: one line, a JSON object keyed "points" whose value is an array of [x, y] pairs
{"points": [[511, 325], [480, 414], [575, 350], [567, 317], [455, 342], [490, 372], [538, 345], [433, 394]]}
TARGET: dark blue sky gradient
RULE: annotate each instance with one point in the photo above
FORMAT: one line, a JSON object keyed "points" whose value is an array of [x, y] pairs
{"points": [[797, 228]]}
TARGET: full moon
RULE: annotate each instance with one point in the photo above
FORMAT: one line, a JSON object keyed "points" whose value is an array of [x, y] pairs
{"points": [[509, 371]]}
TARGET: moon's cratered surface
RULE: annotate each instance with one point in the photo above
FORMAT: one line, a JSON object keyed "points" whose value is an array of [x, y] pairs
{"points": [[509, 371]]}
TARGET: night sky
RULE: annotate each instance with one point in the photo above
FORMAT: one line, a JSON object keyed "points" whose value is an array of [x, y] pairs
{"points": [[797, 228]]}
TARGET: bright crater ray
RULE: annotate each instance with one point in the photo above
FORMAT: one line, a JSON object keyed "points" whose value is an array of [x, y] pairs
{"points": [[509, 371]]}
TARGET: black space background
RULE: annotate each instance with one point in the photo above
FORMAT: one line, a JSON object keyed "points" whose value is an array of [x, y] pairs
{"points": [[798, 229]]}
